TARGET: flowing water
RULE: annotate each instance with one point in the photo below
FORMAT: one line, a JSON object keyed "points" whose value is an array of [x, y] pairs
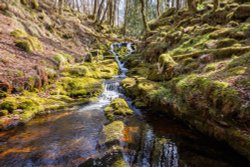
{"points": [[70, 138]]}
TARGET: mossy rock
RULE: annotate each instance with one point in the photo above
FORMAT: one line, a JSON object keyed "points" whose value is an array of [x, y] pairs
{"points": [[9, 104], [27, 42], [80, 87], [113, 131], [105, 69], [118, 107], [63, 59]]}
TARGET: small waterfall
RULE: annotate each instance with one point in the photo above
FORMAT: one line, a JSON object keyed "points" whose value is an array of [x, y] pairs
{"points": [[111, 87], [120, 64]]}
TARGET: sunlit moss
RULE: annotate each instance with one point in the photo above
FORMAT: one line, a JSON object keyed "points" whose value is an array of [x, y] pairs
{"points": [[117, 107], [114, 131], [63, 59], [27, 42]]}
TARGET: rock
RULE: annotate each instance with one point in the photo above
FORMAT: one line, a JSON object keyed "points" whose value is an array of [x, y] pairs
{"points": [[118, 107], [207, 58], [242, 12]]}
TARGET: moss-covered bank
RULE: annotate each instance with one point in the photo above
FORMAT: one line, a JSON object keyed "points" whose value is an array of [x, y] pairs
{"points": [[79, 83], [196, 68]]}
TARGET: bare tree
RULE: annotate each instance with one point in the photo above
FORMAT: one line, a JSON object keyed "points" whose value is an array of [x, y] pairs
{"points": [[144, 17]]}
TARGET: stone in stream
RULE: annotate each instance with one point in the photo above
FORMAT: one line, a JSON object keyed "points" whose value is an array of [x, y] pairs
{"points": [[110, 143], [118, 108]]}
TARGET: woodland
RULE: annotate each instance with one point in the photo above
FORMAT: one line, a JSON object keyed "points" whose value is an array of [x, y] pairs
{"points": [[124, 83]]}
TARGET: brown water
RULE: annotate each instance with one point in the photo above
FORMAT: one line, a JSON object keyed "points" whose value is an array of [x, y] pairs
{"points": [[70, 138]]}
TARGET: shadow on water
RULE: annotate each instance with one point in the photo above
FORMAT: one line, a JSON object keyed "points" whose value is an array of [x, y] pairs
{"points": [[70, 138]]}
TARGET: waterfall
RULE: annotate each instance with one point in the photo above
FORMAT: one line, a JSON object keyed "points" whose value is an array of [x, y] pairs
{"points": [[111, 87]]}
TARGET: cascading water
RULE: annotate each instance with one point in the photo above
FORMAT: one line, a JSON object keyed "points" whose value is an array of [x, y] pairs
{"points": [[111, 87]]}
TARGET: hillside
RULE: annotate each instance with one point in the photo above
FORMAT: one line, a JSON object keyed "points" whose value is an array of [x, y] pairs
{"points": [[41, 50], [196, 67]]}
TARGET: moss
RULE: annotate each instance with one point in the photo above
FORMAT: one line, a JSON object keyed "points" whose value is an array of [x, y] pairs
{"points": [[63, 59], [142, 71], [103, 70], [128, 82], [227, 42], [26, 42], [210, 67], [113, 131], [223, 98], [166, 62], [118, 107], [9, 104], [4, 112], [81, 87], [25, 45], [238, 70], [18, 33]]}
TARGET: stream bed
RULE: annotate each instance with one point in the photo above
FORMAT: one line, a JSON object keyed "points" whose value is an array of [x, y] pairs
{"points": [[71, 137]]}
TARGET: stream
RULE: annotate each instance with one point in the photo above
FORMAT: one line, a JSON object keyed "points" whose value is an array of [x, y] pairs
{"points": [[70, 137]]}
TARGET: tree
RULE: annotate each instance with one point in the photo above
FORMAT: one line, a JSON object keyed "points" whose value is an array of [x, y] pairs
{"points": [[96, 3], [144, 17], [158, 7], [99, 12], [216, 4], [192, 5], [126, 17]]}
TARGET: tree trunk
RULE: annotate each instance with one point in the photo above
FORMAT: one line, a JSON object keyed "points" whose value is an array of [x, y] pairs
{"points": [[191, 6], [95, 9], [61, 6], [145, 24], [216, 4], [114, 14], [105, 11], [178, 4], [158, 7], [126, 17], [99, 12]]}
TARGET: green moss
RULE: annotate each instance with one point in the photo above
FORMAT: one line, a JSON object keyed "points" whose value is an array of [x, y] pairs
{"points": [[220, 95], [210, 67], [19, 33], [142, 71], [128, 82], [4, 112], [26, 42], [63, 59], [81, 87], [103, 70], [113, 131], [166, 62], [238, 70], [25, 45], [9, 104], [227, 42], [117, 107], [34, 4]]}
